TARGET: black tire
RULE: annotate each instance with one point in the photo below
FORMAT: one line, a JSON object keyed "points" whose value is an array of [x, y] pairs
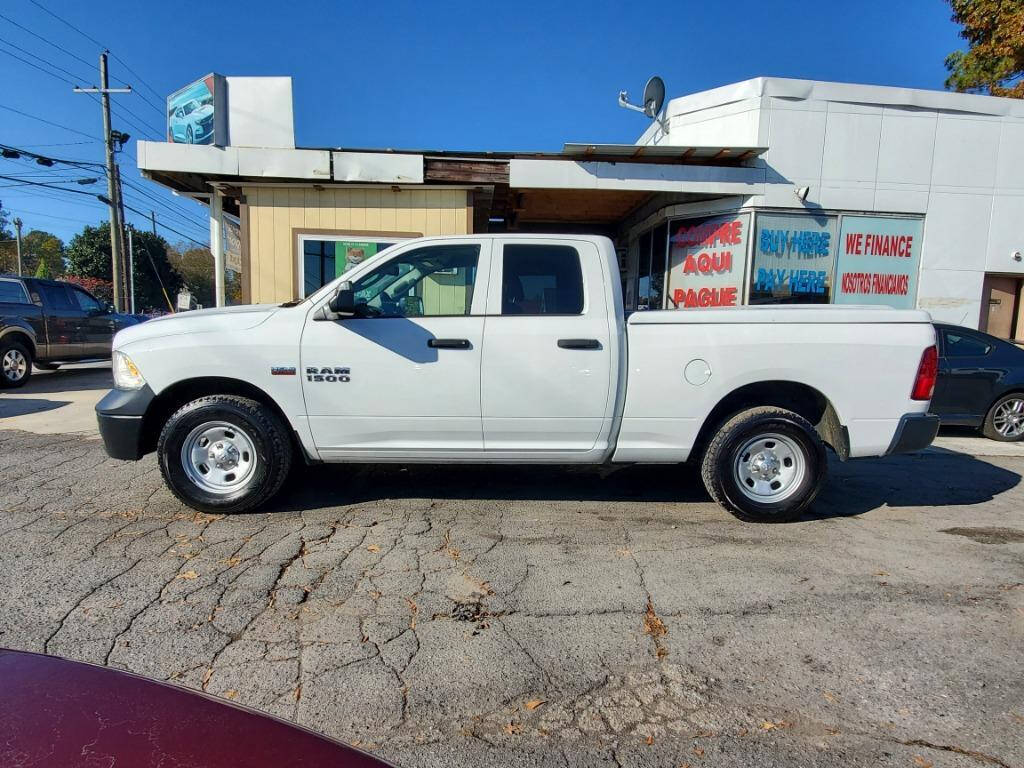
{"points": [[723, 464], [1014, 429], [15, 364], [260, 427], [47, 366]]}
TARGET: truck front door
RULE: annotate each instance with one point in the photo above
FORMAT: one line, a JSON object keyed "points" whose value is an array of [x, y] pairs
{"points": [[546, 384], [402, 379]]}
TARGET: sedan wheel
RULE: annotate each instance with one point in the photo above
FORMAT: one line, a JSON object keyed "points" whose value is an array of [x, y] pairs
{"points": [[1005, 420]]}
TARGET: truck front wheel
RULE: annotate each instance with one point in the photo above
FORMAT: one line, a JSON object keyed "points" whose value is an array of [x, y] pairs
{"points": [[765, 465], [224, 453]]}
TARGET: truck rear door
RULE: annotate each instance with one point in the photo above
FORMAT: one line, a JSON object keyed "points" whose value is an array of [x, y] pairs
{"points": [[547, 366]]}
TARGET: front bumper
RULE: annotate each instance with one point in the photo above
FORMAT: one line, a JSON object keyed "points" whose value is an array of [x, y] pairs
{"points": [[914, 433], [120, 414]]}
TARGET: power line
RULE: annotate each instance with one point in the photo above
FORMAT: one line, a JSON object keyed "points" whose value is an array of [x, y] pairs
{"points": [[51, 186], [36, 66], [46, 40], [170, 229], [40, 58], [94, 41], [26, 212], [49, 122]]}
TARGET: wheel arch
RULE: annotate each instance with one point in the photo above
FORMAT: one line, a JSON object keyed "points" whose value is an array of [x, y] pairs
{"points": [[803, 399], [176, 395], [23, 335]]}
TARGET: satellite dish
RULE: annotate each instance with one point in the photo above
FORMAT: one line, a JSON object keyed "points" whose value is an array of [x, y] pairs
{"points": [[654, 98]]}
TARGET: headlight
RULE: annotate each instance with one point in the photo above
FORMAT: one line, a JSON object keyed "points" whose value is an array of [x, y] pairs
{"points": [[126, 373]]}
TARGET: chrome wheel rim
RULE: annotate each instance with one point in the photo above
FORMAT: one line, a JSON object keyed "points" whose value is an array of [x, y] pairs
{"points": [[769, 468], [15, 365], [219, 457], [1008, 420]]}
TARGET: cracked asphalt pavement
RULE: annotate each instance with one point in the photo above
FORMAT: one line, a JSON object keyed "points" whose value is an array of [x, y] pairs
{"points": [[458, 616]]}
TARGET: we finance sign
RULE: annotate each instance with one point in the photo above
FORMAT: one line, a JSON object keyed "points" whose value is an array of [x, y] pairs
{"points": [[878, 261]]}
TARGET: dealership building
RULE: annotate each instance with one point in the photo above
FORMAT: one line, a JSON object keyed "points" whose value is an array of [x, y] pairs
{"points": [[769, 190]]}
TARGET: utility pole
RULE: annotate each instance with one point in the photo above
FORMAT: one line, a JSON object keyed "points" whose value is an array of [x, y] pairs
{"points": [[17, 228], [152, 217], [113, 188], [122, 226], [131, 272]]}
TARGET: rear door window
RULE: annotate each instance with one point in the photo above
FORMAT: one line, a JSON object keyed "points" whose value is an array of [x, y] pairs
{"points": [[12, 291], [541, 280], [55, 296]]}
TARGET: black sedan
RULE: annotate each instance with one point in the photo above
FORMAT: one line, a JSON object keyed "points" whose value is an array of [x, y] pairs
{"points": [[980, 383]]}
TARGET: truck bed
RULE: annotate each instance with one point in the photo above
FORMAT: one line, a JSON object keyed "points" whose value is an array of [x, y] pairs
{"points": [[773, 313], [862, 360]]}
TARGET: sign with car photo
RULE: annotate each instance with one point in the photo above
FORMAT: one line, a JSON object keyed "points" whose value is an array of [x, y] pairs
{"points": [[195, 114]]}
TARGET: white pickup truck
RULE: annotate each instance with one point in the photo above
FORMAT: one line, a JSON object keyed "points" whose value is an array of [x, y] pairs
{"points": [[516, 349]]}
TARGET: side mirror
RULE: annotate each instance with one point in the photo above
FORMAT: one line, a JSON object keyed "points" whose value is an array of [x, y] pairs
{"points": [[343, 303]]}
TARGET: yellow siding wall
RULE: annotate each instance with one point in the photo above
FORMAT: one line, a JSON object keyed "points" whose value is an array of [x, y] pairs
{"points": [[276, 212]]}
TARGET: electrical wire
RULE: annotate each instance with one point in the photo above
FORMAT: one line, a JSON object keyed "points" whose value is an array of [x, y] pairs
{"points": [[94, 41], [49, 122], [45, 61]]}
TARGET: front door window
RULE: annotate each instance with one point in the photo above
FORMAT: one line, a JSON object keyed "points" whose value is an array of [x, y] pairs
{"points": [[324, 258], [434, 281]]}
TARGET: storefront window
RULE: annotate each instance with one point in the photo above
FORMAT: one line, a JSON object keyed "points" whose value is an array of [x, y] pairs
{"points": [[794, 256], [878, 261], [707, 260], [659, 250], [325, 258], [643, 272]]}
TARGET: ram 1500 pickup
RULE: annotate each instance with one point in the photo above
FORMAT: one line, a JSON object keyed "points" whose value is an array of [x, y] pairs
{"points": [[516, 349], [49, 322]]}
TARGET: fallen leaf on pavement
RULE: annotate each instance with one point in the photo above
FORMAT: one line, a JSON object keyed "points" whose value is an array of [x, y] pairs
{"points": [[373, 548], [513, 728], [298, 692], [231, 693], [829, 696], [653, 625], [532, 704], [189, 575], [920, 762], [771, 725], [698, 751], [650, 739]]}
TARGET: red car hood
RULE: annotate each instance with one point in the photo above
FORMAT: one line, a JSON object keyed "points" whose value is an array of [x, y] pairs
{"points": [[55, 712]]}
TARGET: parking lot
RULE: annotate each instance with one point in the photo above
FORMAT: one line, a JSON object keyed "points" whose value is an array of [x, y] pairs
{"points": [[456, 616]]}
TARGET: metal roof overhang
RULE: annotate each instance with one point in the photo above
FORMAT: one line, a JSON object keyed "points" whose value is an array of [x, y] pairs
{"points": [[662, 153]]}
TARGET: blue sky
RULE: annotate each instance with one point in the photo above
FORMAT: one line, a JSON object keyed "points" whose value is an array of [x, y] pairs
{"points": [[474, 75]]}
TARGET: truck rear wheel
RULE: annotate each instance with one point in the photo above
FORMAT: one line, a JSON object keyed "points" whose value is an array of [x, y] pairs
{"points": [[15, 364], [224, 453], [765, 465]]}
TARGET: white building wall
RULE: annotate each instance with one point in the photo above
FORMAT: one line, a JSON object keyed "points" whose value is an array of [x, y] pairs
{"points": [[956, 158]]}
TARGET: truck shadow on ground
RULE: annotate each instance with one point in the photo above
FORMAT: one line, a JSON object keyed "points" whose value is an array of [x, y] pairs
{"points": [[855, 487]]}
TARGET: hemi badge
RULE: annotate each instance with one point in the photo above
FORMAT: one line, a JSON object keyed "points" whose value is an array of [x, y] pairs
{"points": [[282, 370]]}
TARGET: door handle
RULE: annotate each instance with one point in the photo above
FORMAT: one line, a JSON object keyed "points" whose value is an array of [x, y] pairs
{"points": [[579, 343], [448, 343]]}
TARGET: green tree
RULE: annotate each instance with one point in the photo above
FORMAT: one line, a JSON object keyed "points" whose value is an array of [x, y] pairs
{"points": [[195, 265], [88, 255], [43, 270], [8, 249], [38, 246], [994, 60]]}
